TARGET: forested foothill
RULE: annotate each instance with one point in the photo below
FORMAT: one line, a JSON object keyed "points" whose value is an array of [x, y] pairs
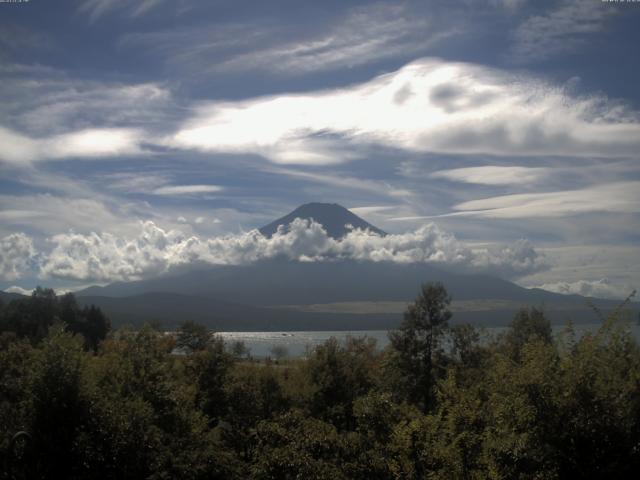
{"points": [[78, 400]]}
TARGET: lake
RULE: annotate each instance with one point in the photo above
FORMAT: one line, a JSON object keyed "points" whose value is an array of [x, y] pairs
{"points": [[297, 344]]}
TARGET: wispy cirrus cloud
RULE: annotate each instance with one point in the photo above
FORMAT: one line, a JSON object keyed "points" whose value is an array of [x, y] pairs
{"points": [[564, 29], [96, 9], [89, 143], [170, 190], [361, 36], [38, 101], [427, 106], [48, 116], [49, 214], [494, 175], [620, 197], [365, 35], [345, 181]]}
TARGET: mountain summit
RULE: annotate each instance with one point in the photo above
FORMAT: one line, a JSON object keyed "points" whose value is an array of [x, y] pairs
{"points": [[333, 217]]}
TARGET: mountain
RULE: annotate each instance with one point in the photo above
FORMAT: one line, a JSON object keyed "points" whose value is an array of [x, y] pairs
{"points": [[345, 295], [335, 218], [279, 294], [6, 297]]}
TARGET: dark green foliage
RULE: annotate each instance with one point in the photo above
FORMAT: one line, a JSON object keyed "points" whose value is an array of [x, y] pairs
{"points": [[209, 369], [193, 337], [297, 446], [415, 344], [239, 349], [527, 325], [523, 405], [32, 317], [339, 375], [58, 407]]}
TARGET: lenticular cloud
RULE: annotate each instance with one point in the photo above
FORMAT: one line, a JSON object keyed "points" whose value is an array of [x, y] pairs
{"points": [[105, 257]]}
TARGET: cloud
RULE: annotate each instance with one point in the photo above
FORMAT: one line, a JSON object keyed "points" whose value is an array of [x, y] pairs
{"points": [[363, 36], [562, 30], [454, 108], [493, 175], [16, 255], [49, 214], [345, 181], [28, 292], [19, 290], [96, 9], [106, 257], [90, 143], [14, 38], [428, 106], [602, 288], [186, 189], [372, 209], [509, 261], [620, 197], [355, 37], [134, 182], [509, 4], [46, 115], [40, 101]]}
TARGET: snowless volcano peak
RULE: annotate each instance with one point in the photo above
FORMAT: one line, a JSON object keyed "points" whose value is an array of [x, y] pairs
{"points": [[335, 219]]}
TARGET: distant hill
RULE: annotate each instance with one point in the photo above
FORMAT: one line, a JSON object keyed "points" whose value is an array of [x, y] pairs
{"points": [[6, 297], [335, 218]]}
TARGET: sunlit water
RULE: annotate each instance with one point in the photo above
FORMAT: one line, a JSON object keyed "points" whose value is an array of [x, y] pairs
{"points": [[299, 344]]}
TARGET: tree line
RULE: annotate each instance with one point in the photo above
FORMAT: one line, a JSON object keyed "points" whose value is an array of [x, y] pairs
{"points": [[79, 401]]}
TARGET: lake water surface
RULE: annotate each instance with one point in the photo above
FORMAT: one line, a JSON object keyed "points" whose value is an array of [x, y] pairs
{"points": [[298, 344]]}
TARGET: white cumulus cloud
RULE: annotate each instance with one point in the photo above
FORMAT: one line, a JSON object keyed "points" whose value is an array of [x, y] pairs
{"points": [[20, 290], [16, 254], [601, 288], [154, 251]]}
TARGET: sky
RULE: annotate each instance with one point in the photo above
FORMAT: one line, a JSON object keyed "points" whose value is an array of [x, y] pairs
{"points": [[490, 136]]}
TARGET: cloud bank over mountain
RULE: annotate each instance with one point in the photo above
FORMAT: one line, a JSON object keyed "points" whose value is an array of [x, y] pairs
{"points": [[106, 257], [602, 288]]}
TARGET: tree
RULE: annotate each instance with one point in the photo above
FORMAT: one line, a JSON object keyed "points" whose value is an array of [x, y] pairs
{"points": [[89, 322], [239, 349], [96, 326], [32, 317], [527, 325], [279, 351], [339, 375], [58, 407], [210, 368], [416, 341], [193, 337]]}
